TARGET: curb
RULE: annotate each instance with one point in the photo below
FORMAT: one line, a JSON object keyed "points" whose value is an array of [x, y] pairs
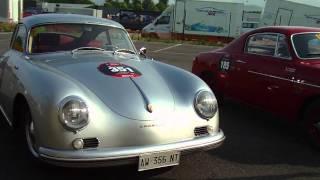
{"points": [[4, 33]]}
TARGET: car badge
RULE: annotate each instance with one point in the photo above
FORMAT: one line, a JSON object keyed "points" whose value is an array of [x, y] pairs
{"points": [[150, 108]]}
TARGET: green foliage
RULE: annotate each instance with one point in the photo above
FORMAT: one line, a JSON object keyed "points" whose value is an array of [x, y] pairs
{"points": [[148, 5], [136, 5], [71, 1], [161, 6], [7, 27]]}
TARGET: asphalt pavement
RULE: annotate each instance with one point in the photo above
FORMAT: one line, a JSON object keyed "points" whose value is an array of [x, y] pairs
{"points": [[258, 145]]}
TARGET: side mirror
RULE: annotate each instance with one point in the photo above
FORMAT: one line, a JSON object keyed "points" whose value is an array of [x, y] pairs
{"points": [[143, 52]]}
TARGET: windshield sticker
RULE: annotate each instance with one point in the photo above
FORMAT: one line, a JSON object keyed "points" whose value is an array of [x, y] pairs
{"points": [[118, 70], [318, 36]]}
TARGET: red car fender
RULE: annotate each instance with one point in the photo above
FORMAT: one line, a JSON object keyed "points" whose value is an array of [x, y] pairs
{"points": [[207, 67]]}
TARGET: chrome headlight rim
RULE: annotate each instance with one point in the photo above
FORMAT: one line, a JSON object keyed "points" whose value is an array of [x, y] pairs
{"points": [[215, 104], [61, 107]]}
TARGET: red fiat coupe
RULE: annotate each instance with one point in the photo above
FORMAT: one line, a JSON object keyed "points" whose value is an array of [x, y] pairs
{"points": [[275, 68]]}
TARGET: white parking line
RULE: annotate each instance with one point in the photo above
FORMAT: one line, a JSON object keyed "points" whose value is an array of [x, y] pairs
{"points": [[176, 45]]}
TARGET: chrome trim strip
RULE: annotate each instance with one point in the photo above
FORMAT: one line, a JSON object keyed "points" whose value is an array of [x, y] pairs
{"points": [[5, 116], [294, 47], [285, 79], [267, 75], [107, 154], [308, 84]]}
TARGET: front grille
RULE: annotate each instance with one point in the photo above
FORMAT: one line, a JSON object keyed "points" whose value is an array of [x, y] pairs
{"points": [[201, 131], [90, 143]]}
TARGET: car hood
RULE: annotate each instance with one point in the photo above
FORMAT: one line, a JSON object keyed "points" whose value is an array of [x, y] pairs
{"points": [[136, 97]]}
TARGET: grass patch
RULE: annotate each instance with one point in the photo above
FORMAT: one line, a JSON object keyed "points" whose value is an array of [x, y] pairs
{"points": [[138, 37], [7, 27]]}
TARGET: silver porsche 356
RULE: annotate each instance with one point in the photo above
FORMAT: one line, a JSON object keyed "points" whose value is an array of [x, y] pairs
{"points": [[84, 96]]}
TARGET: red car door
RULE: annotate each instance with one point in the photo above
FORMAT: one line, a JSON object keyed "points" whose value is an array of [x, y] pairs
{"points": [[237, 84], [271, 70]]}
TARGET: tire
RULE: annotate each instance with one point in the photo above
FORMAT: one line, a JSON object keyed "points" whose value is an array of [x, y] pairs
{"points": [[311, 123], [154, 36], [26, 132]]}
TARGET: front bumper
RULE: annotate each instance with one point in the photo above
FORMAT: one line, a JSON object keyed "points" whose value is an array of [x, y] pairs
{"points": [[124, 155]]}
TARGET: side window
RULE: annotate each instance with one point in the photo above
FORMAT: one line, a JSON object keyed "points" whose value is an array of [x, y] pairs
{"points": [[262, 44], [163, 20], [20, 39], [283, 49]]}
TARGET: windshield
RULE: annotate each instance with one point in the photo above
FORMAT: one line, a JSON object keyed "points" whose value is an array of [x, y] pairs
{"points": [[66, 37], [307, 45]]}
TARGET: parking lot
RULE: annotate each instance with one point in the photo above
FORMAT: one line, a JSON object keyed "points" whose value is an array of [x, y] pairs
{"points": [[258, 145]]}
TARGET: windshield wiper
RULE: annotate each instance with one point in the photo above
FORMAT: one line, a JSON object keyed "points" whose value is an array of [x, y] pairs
{"points": [[87, 49], [124, 51]]}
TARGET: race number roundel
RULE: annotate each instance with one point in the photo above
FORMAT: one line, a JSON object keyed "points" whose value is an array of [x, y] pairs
{"points": [[118, 70]]}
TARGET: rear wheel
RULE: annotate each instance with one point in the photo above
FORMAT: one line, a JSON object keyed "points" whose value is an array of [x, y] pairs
{"points": [[311, 123]]}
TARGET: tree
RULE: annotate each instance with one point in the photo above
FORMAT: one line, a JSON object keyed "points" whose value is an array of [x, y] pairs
{"points": [[148, 5], [162, 5], [136, 5], [71, 1]]}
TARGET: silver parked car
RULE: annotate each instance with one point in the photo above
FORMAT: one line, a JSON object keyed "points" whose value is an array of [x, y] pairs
{"points": [[83, 96]]}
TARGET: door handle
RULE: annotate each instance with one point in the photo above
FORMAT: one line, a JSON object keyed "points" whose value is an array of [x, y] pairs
{"points": [[290, 70], [272, 87], [240, 61]]}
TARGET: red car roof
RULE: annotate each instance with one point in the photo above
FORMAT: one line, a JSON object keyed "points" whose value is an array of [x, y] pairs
{"points": [[288, 30]]}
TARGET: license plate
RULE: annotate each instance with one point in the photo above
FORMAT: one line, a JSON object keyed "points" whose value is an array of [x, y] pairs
{"points": [[158, 160]]}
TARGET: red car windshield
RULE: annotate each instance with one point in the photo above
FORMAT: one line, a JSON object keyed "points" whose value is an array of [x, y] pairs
{"points": [[307, 45], [66, 37]]}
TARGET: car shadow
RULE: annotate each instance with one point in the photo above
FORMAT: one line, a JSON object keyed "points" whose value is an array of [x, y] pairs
{"points": [[275, 177], [258, 137], [17, 164]]}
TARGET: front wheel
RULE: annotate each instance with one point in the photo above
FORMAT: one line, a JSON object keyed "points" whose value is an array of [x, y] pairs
{"points": [[311, 123], [27, 132]]}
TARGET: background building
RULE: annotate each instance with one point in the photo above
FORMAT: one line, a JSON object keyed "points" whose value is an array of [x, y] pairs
{"points": [[11, 10]]}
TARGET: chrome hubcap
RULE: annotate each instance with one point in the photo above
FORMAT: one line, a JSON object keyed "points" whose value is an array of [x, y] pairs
{"points": [[30, 138]]}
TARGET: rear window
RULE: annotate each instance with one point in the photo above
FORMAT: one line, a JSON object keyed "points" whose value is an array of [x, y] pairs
{"points": [[307, 45]]}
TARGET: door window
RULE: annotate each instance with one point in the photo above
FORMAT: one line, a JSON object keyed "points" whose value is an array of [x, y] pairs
{"points": [[282, 48], [163, 20], [268, 45], [262, 44], [20, 40]]}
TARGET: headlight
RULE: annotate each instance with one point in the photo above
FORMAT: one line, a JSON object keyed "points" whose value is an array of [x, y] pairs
{"points": [[205, 104], [73, 113]]}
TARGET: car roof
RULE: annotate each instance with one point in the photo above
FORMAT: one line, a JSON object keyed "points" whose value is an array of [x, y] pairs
{"points": [[288, 30], [31, 21]]}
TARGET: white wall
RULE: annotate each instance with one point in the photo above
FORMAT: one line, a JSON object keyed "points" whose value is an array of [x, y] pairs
{"points": [[11, 10]]}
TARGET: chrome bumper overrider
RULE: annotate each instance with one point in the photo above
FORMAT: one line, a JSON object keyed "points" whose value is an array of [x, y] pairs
{"points": [[124, 155]]}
